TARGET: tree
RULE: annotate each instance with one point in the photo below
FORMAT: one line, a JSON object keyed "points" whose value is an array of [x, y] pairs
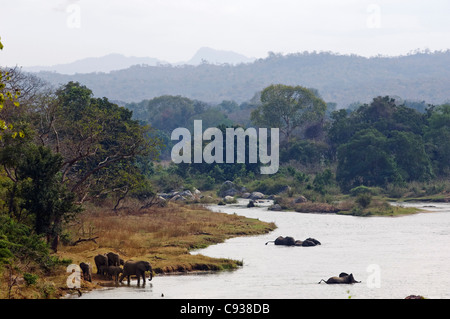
{"points": [[411, 159], [438, 137], [92, 135], [365, 160], [288, 108], [7, 94], [35, 173]]}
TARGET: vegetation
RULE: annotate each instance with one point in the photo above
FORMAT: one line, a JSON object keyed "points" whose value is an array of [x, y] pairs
{"points": [[81, 175], [420, 77]]}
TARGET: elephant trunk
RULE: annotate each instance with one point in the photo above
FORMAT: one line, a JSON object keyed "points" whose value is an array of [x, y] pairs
{"points": [[151, 275]]}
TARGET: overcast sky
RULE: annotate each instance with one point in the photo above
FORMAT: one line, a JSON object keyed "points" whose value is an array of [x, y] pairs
{"points": [[38, 32]]}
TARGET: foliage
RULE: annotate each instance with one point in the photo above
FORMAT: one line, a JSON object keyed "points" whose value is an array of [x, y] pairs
{"points": [[363, 200], [343, 79], [365, 160], [288, 108], [19, 242], [381, 143], [437, 134], [35, 172]]}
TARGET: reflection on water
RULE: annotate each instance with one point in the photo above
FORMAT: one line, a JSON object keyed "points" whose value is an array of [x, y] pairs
{"points": [[393, 258]]}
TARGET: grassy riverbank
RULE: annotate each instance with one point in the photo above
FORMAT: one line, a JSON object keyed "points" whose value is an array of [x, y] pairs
{"points": [[363, 206], [164, 236]]}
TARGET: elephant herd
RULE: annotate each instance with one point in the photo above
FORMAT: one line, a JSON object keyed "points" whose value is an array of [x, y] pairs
{"points": [[343, 277], [109, 266]]}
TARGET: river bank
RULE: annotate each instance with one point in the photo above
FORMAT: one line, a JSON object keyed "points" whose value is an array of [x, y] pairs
{"points": [[376, 250], [164, 236]]}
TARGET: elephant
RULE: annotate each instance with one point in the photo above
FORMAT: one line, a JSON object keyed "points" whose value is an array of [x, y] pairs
{"points": [[87, 271], [138, 269], [343, 278], [101, 262], [114, 272], [308, 242], [114, 259], [286, 241], [290, 241]]}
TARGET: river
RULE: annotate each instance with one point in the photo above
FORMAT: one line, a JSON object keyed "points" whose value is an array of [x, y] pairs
{"points": [[393, 257]]}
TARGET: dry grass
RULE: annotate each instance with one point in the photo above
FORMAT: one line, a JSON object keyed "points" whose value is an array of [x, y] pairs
{"points": [[164, 236]]}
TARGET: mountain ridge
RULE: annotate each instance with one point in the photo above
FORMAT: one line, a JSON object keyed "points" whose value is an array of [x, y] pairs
{"points": [[115, 61], [343, 79]]}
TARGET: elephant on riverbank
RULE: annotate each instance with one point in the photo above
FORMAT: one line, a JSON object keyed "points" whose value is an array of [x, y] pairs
{"points": [[113, 272], [101, 262], [138, 269], [86, 268], [343, 278], [114, 259]]}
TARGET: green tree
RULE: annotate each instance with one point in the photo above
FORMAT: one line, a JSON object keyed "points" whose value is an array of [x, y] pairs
{"points": [[288, 108], [35, 173], [366, 160], [93, 135], [438, 137], [409, 153], [7, 94]]}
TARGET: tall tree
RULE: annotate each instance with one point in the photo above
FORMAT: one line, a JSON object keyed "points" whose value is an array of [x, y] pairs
{"points": [[438, 137], [288, 108], [35, 173], [92, 135], [366, 160]]}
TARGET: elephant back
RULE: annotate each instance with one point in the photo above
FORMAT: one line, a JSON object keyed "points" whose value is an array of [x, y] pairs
{"points": [[101, 260], [113, 259]]}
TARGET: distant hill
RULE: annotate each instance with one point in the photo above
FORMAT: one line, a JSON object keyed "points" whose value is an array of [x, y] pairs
{"points": [[343, 79], [212, 56], [107, 63]]}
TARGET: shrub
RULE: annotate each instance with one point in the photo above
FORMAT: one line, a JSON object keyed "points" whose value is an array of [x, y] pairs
{"points": [[364, 200], [365, 190], [30, 279]]}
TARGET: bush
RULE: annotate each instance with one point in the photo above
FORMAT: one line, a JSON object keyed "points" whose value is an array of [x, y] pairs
{"points": [[364, 200], [30, 279], [365, 190], [17, 241]]}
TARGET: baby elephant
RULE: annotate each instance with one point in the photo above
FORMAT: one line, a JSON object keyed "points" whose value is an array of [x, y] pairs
{"points": [[114, 272], [342, 279], [87, 271]]}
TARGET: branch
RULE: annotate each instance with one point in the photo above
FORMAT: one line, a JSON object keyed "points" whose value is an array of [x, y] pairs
{"points": [[80, 240]]}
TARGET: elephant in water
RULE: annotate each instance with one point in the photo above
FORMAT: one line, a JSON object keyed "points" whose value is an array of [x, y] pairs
{"points": [[138, 269], [342, 279], [285, 241], [290, 241], [114, 272]]}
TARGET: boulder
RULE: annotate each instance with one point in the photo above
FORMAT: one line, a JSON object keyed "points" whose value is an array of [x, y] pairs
{"points": [[256, 195], [229, 199], [187, 194], [178, 197], [300, 199], [228, 188]]}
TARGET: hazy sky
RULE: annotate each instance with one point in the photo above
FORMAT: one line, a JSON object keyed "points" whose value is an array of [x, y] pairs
{"points": [[38, 32]]}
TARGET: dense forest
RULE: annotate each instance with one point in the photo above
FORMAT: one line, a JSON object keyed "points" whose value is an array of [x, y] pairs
{"points": [[63, 147], [342, 79]]}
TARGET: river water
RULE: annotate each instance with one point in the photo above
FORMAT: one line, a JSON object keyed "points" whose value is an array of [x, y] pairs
{"points": [[393, 257]]}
